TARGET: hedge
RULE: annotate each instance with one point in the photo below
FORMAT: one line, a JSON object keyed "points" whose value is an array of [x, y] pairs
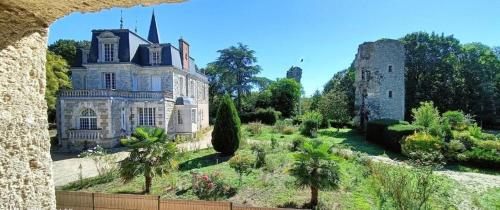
{"points": [[389, 133], [267, 116]]}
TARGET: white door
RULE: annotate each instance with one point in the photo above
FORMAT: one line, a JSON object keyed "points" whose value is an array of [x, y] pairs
{"points": [[156, 83]]}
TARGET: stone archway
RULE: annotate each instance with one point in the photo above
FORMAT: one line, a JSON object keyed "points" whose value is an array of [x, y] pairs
{"points": [[25, 163]]}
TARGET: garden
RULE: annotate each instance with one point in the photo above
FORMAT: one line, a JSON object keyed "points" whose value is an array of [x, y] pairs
{"points": [[294, 165]]}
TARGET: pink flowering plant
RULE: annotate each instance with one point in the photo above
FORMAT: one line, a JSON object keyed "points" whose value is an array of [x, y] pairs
{"points": [[210, 186]]}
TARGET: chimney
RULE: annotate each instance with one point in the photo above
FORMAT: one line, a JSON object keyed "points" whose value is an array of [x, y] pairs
{"points": [[184, 50]]}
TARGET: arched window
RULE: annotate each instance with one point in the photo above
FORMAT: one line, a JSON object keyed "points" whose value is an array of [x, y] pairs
{"points": [[88, 120]]}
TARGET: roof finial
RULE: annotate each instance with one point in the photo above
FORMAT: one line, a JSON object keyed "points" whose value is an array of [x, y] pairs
{"points": [[135, 29], [121, 19], [153, 35]]}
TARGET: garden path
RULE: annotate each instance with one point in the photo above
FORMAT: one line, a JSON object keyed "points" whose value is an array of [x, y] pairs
{"points": [[65, 167]]}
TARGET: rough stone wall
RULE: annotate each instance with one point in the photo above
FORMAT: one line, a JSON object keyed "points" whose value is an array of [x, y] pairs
{"points": [[25, 163], [374, 80]]}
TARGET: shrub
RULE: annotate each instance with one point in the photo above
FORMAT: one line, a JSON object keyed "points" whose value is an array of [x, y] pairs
{"points": [[465, 138], [389, 133], [209, 186], [400, 187], [310, 123], [255, 128], [260, 158], [489, 144], [483, 157], [489, 136], [226, 135], [456, 119], [267, 116], [104, 162], [242, 164], [280, 125], [288, 130], [297, 143], [475, 131], [454, 149], [423, 147], [274, 142], [426, 115]]}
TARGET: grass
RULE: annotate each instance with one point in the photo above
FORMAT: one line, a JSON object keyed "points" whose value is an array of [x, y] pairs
{"points": [[271, 186]]}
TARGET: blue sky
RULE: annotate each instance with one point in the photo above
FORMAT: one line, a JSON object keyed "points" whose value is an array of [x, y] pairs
{"points": [[325, 33]]}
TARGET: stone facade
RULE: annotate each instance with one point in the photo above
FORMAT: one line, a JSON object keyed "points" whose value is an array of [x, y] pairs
{"points": [[380, 81]]}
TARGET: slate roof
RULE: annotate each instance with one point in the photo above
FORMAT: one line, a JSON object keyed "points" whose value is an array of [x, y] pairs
{"points": [[133, 48]]}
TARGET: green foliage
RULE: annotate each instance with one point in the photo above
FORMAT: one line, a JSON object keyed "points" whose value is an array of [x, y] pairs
{"points": [[267, 116], [453, 76], [456, 120], [226, 135], [483, 157], [57, 75], [335, 108], [475, 131], [92, 181], [314, 167], [242, 163], [210, 186], [260, 155], [343, 82], [310, 123], [454, 150], [389, 133], [234, 72], [465, 138], [67, 48], [255, 128], [297, 143], [423, 147], [403, 188], [315, 98], [426, 115], [285, 95], [151, 155]]}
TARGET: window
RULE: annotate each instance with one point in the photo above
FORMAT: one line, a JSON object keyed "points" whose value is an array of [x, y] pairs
{"points": [[109, 81], [109, 52], [203, 93], [155, 58], [390, 93], [147, 116], [191, 89], [179, 117], [193, 116], [88, 120], [389, 68], [181, 87]]}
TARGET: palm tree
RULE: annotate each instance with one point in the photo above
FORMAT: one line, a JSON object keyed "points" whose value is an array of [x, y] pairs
{"points": [[315, 168], [151, 155]]}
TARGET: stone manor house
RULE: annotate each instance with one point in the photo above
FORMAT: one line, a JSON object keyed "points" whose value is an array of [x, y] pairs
{"points": [[124, 81]]}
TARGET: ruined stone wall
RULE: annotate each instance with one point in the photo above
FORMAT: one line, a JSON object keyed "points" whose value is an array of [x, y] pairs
{"points": [[25, 163], [380, 83]]}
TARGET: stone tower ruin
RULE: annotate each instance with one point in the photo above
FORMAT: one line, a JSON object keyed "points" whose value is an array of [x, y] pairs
{"points": [[380, 81]]}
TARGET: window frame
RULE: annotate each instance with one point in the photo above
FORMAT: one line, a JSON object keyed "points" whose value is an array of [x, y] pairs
{"points": [[193, 116], [111, 79], [180, 121], [146, 116], [109, 52], [87, 120]]}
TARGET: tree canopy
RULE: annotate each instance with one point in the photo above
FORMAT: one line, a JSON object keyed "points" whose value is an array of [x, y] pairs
{"points": [[67, 49], [57, 78]]}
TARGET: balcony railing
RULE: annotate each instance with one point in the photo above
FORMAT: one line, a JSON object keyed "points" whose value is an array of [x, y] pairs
{"points": [[115, 93], [84, 134]]}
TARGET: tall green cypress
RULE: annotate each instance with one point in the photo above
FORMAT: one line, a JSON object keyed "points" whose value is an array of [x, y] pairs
{"points": [[227, 132]]}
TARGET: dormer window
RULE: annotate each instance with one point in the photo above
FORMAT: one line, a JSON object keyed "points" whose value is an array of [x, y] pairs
{"points": [[156, 58], [108, 47], [108, 52], [155, 54], [389, 68]]}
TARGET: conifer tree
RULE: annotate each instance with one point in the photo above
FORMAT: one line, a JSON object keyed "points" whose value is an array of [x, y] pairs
{"points": [[227, 132]]}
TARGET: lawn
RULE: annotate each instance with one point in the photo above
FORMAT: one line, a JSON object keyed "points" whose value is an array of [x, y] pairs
{"points": [[272, 186]]}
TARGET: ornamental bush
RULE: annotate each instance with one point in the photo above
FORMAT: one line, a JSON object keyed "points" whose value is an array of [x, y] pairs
{"points": [[255, 128], [389, 133], [267, 116], [456, 119], [310, 123], [210, 186], [226, 135], [423, 147], [242, 164]]}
